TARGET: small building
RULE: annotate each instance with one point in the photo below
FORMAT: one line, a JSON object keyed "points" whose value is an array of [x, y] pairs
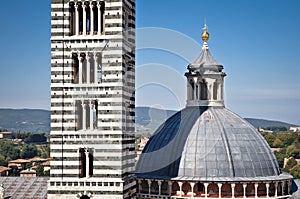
{"points": [[295, 129], [7, 135], [4, 171], [28, 173], [20, 163]]}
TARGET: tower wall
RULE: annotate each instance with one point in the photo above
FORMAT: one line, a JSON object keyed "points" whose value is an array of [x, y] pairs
{"points": [[92, 99]]}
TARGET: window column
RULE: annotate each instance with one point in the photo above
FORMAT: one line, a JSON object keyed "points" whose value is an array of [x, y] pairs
{"points": [[92, 19], [192, 185], [244, 187], [159, 187], [220, 190], [205, 187], [255, 189], [87, 163], [83, 115], [99, 19], [91, 115], [276, 187], [232, 190], [268, 186], [88, 68], [149, 186], [97, 58], [81, 60], [180, 188], [139, 185], [170, 187], [289, 187]]}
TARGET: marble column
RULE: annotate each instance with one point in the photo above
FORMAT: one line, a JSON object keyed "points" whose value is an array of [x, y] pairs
{"points": [[149, 186], [83, 116], [245, 189], [268, 189], [80, 72], [91, 115], [170, 188], [205, 189], [159, 187], [255, 189], [180, 188], [220, 190], [87, 160], [276, 187], [192, 185], [88, 68], [96, 64], [232, 190]]}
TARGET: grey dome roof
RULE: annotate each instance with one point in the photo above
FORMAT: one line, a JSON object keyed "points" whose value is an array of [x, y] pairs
{"points": [[207, 142]]}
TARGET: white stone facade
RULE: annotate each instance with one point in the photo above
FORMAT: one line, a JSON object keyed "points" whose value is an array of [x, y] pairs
{"points": [[92, 99]]}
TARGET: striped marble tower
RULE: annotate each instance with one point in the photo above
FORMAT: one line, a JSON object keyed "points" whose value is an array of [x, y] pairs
{"points": [[92, 99]]}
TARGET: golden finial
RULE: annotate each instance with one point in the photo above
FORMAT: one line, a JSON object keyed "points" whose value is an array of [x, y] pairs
{"points": [[205, 34]]}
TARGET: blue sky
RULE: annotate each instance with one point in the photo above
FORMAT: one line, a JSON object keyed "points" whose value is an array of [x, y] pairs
{"points": [[257, 41]]}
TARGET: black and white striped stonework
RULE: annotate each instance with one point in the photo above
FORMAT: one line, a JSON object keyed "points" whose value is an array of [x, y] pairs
{"points": [[92, 99]]}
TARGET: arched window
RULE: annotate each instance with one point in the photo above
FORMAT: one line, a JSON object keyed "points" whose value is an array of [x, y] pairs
{"points": [[95, 21], [95, 122], [215, 90], [78, 115], [84, 197], [72, 11], [80, 17], [203, 90], [88, 19], [75, 68], [102, 18], [82, 163], [191, 89]]}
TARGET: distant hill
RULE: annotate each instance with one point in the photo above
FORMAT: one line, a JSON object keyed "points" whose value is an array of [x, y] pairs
{"points": [[25, 120], [147, 119], [268, 123], [150, 119]]}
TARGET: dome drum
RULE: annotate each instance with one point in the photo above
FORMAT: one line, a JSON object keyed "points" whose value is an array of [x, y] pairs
{"points": [[167, 189]]}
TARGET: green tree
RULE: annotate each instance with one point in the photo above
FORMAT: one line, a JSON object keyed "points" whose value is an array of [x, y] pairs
{"points": [[3, 161], [47, 173], [28, 151], [293, 150], [40, 170], [290, 164], [286, 138], [270, 138], [295, 171], [277, 143], [8, 150], [280, 157]]}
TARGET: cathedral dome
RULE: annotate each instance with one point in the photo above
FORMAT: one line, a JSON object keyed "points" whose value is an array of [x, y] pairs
{"points": [[207, 142], [205, 150]]}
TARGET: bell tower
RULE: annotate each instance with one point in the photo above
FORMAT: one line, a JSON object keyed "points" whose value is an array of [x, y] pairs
{"points": [[92, 99], [205, 79]]}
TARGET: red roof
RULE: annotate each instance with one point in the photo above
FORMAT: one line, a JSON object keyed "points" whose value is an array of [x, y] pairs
{"points": [[19, 161], [2, 169], [5, 133]]}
